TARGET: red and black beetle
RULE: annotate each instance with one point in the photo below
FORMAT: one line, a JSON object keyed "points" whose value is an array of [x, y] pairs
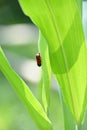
{"points": [[38, 59]]}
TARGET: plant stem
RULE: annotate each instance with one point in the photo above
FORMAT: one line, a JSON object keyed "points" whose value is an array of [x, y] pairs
{"points": [[78, 127]]}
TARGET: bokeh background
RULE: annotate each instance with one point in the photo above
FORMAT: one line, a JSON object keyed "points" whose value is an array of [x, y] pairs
{"points": [[18, 39]]}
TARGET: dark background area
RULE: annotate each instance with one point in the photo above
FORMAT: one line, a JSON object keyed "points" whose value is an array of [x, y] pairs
{"points": [[11, 13]]}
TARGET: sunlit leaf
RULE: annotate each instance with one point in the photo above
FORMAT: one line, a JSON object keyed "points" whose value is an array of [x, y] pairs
{"points": [[60, 23], [46, 71], [33, 106], [79, 4]]}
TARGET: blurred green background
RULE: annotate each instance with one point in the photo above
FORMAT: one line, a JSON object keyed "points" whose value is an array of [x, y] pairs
{"points": [[18, 38]]}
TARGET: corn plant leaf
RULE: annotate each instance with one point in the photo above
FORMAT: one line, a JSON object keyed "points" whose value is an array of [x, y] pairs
{"points": [[33, 106], [60, 23], [79, 4], [84, 124], [46, 72], [69, 122]]}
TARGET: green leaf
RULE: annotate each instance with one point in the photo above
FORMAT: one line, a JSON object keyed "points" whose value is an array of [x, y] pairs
{"points": [[33, 106], [60, 23], [84, 124], [46, 72], [69, 122], [79, 4]]}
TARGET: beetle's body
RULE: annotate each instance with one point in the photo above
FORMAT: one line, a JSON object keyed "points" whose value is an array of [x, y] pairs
{"points": [[38, 59]]}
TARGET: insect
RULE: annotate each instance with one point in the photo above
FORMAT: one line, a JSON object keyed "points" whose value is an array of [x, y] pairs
{"points": [[38, 59]]}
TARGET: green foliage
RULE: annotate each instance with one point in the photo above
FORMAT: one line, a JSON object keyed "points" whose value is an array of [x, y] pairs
{"points": [[63, 49], [33, 106], [69, 122], [46, 72], [79, 4], [61, 25]]}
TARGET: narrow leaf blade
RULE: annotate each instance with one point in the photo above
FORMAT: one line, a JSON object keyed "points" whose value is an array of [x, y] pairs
{"points": [[33, 106], [46, 71]]}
